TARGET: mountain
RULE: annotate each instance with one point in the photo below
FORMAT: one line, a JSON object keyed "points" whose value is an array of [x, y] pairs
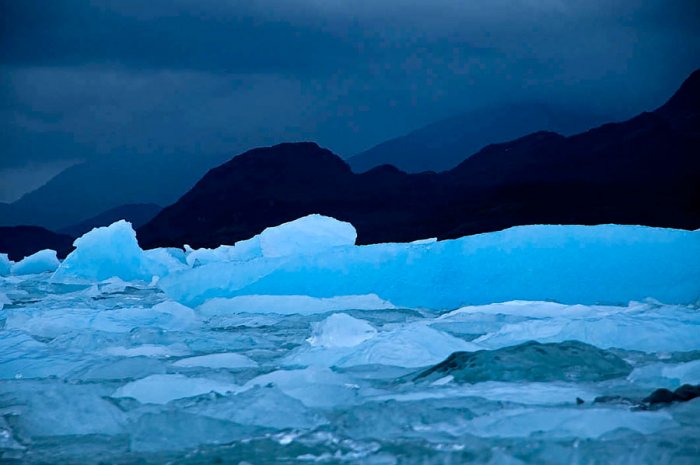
{"points": [[137, 214], [642, 171], [443, 145], [88, 189], [21, 241]]}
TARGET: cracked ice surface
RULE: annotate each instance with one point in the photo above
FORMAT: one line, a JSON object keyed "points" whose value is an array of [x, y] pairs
{"points": [[228, 355]]}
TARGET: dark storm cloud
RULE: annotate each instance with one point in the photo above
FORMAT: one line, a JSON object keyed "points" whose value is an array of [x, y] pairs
{"points": [[212, 36], [80, 79]]}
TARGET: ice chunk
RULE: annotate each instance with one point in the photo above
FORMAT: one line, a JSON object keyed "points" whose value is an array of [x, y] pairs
{"points": [[112, 251], [292, 304], [668, 375], [52, 322], [264, 406], [222, 360], [564, 422], [22, 356], [532, 310], [314, 386], [148, 350], [40, 262], [165, 260], [607, 264], [531, 361], [161, 389], [4, 300], [409, 346], [223, 253], [646, 327], [120, 369], [521, 393], [5, 264], [175, 430], [341, 330], [307, 235], [58, 409]]}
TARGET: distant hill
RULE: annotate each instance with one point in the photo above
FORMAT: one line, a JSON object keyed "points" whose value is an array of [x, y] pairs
{"points": [[642, 171], [21, 241], [443, 145], [83, 191], [137, 214]]}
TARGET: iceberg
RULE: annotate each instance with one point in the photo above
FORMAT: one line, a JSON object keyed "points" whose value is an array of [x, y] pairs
{"points": [[307, 235], [41, 262], [607, 264], [113, 251], [5, 264], [298, 345]]}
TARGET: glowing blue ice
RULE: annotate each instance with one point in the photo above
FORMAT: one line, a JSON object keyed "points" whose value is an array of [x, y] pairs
{"points": [[40, 262], [572, 264]]}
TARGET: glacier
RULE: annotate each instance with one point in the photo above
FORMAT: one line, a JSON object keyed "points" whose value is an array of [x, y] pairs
{"points": [[537, 344]]}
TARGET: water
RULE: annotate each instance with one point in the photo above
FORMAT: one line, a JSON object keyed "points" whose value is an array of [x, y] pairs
{"points": [[117, 373]]}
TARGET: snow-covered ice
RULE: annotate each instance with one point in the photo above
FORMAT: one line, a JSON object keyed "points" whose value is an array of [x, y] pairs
{"points": [[536, 344]]}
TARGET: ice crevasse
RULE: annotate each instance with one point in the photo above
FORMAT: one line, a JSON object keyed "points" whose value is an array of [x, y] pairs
{"points": [[316, 256]]}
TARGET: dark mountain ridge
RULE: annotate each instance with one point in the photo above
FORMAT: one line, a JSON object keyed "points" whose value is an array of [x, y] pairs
{"points": [[86, 190], [21, 241], [642, 171], [444, 144], [137, 214]]}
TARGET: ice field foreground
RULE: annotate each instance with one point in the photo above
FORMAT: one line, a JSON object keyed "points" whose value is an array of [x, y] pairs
{"points": [[298, 347]]}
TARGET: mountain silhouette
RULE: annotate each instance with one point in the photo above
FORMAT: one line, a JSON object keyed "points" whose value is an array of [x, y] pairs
{"points": [[642, 171], [444, 144], [21, 241], [88, 189], [137, 214]]}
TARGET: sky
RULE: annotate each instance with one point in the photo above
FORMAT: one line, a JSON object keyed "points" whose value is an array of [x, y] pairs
{"points": [[83, 79]]}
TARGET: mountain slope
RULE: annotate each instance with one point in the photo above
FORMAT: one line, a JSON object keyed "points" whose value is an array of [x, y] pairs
{"points": [[442, 145], [642, 171], [88, 189], [137, 214], [21, 241]]}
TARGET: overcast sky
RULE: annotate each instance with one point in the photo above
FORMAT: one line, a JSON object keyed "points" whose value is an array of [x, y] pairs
{"points": [[82, 79]]}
